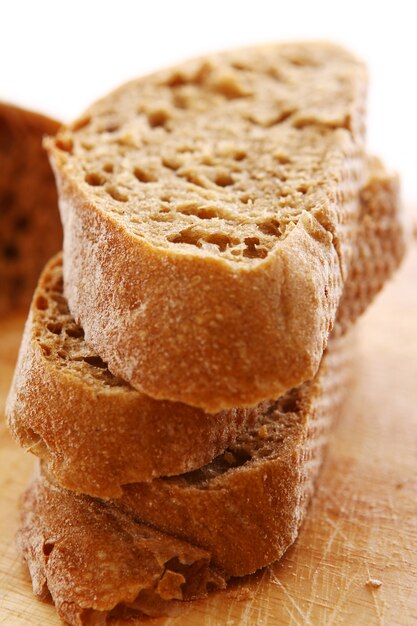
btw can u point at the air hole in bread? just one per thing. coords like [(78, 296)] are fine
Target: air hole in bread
[(204, 213), (54, 327), (65, 144), (302, 188), (288, 403), (224, 180), (108, 167), (193, 177), (245, 199), (171, 163), (94, 179), (116, 194), (270, 227), (75, 331), (10, 252), (239, 155), (252, 251), (220, 240), (45, 349), (95, 361), (41, 303), (186, 236), (47, 548), (144, 176), (159, 117), (111, 128)]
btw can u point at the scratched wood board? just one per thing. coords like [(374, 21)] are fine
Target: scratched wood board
[(362, 524)]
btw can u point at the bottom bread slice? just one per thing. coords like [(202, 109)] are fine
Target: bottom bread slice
[(237, 514)]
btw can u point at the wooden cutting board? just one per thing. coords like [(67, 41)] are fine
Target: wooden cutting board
[(362, 524)]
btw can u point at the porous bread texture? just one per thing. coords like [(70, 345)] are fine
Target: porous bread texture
[(210, 212), (94, 430), (99, 563), (30, 226), (67, 408), (380, 245)]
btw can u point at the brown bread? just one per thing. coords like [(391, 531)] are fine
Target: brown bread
[(30, 226), (246, 507), (66, 407), (96, 561), (210, 212)]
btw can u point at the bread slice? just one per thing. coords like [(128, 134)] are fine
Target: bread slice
[(243, 510), (210, 212), (93, 429), (66, 407), (95, 561), (380, 245), (30, 227)]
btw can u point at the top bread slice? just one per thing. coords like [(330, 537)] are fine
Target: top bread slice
[(210, 212), (30, 226)]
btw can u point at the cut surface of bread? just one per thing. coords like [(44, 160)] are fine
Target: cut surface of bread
[(210, 212), (246, 506), (97, 562), (93, 429), (30, 226), (66, 407)]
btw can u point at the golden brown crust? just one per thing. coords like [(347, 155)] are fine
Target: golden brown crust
[(247, 505), (97, 561), (81, 438), (175, 319), (30, 227)]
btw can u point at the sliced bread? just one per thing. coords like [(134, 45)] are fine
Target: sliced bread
[(210, 212), (246, 507), (97, 562), (66, 407), (93, 429), (30, 226)]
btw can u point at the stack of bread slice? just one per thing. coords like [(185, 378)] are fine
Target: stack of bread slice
[(185, 356)]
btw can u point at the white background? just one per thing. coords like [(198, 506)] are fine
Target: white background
[(58, 56)]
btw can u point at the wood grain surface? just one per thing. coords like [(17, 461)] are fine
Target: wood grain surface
[(362, 524)]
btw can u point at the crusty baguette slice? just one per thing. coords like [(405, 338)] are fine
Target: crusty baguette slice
[(244, 509), (97, 561), (66, 407), (93, 429), (210, 212), (246, 506), (30, 226)]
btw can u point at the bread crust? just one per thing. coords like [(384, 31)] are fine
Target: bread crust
[(78, 426), (198, 328), (97, 561), (95, 431), (30, 227), (248, 514)]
